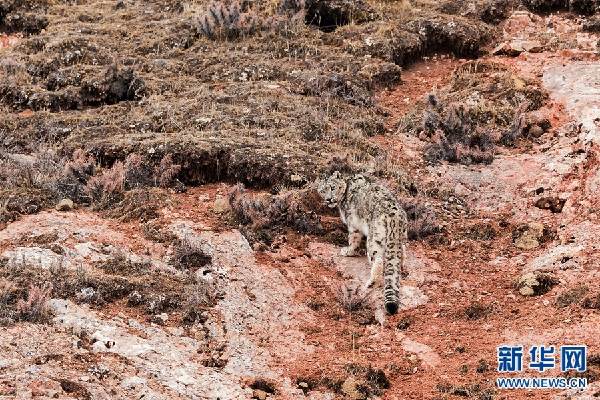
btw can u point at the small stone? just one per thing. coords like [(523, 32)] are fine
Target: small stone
[(259, 394), (532, 46), (535, 283), (529, 236), (86, 294), (303, 385), (160, 319), (554, 204), (221, 205), (132, 382), (5, 363), (296, 178), (350, 389), (65, 205), (536, 131)]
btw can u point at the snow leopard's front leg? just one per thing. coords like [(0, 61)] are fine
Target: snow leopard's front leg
[(354, 240)]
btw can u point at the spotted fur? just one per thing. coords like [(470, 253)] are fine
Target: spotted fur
[(372, 211)]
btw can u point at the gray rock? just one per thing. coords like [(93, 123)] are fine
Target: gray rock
[(65, 205), (133, 382), (221, 205)]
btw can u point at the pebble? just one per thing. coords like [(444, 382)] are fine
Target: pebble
[(65, 205)]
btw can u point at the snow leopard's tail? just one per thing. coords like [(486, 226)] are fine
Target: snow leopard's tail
[(395, 242)]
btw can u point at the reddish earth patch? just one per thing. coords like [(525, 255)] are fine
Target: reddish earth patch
[(418, 81), (9, 40)]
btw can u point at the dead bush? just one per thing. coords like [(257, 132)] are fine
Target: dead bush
[(592, 302), (199, 297), (166, 172), (72, 181), (571, 296), (189, 254), (112, 86), (327, 15), (35, 308), (266, 214), (8, 297), (352, 299), (586, 7), (138, 204), (373, 381), (422, 221), (477, 310), (230, 20), (107, 187), (456, 137)]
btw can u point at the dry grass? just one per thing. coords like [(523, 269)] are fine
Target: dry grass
[(352, 299), (265, 214), (190, 254), (35, 308)]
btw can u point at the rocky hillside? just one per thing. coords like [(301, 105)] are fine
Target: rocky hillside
[(161, 238)]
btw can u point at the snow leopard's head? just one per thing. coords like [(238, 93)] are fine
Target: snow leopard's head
[(332, 189)]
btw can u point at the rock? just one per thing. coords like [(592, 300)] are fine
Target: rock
[(259, 394), (381, 73), (5, 363), (350, 389), (423, 352), (529, 236), (411, 297), (592, 24), (132, 382), (518, 46), (65, 205), (536, 131), (34, 257), (535, 283), (553, 204), (532, 46), (221, 205), (160, 319), (45, 388), (561, 257), (506, 49), (86, 294)]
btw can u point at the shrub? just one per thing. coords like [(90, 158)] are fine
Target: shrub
[(265, 214), (108, 187), (188, 254), (422, 221), (166, 172), (35, 308), (352, 298), (455, 136)]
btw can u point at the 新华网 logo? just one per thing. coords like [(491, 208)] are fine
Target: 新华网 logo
[(540, 358)]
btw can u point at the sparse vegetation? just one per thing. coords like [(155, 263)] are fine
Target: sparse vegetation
[(353, 299), (189, 254), (571, 296), (264, 215), (35, 308), (477, 310)]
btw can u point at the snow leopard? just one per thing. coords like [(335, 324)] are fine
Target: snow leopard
[(370, 210)]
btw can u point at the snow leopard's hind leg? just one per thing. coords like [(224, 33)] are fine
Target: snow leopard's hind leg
[(375, 253)]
